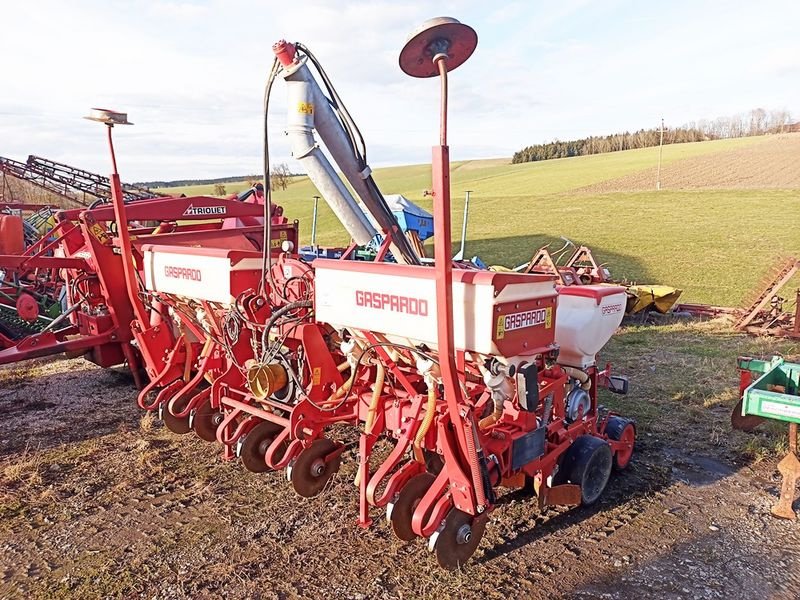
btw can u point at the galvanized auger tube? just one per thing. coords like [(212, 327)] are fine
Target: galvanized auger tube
[(310, 109)]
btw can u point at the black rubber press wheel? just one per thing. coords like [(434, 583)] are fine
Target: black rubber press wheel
[(587, 463)]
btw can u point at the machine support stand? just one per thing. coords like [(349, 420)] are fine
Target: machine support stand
[(789, 468)]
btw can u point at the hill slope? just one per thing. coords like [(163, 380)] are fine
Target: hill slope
[(770, 165), (714, 243)]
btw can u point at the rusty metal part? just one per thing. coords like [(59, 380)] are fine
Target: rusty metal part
[(440, 35), (459, 538), (72, 183), (313, 468), (789, 468), (565, 494), (766, 312), (255, 445), (205, 422), (401, 511), (744, 422), (179, 425)]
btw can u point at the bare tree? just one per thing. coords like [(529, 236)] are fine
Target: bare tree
[(279, 176)]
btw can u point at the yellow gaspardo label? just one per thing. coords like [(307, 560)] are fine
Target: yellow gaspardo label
[(306, 108), (316, 375), (524, 319)]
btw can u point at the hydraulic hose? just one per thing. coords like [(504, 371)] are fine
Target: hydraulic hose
[(286, 308), (377, 391), (266, 247), (380, 377), (580, 375), (430, 413)]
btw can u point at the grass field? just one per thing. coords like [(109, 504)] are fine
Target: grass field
[(713, 244)]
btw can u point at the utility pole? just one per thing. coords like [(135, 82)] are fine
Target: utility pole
[(460, 255), (314, 222), (660, 152)]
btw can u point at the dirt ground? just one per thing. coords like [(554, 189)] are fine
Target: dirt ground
[(100, 501), (771, 164)]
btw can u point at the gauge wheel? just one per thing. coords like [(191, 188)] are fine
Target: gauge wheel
[(622, 430)]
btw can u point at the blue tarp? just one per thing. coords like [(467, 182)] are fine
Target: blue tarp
[(410, 216)]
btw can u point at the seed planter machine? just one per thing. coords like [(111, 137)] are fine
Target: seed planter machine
[(479, 380)]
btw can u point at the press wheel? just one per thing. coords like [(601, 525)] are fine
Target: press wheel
[(402, 510), (255, 446), (205, 422), (310, 473), (459, 539), (624, 431)]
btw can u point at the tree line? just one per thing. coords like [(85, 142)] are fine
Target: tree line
[(756, 122), (280, 177)]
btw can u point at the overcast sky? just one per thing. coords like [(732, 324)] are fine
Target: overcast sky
[(191, 74)]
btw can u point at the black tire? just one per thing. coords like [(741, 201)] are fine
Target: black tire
[(616, 429), (587, 463)]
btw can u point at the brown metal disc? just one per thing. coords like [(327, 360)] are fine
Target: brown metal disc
[(744, 422), (459, 539), (255, 445), (310, 473), (403, 509), (205, 422), (179, 425), (416, 57)]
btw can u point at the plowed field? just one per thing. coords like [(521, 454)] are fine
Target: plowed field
[(770, 164)]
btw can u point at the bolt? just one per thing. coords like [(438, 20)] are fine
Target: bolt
[(464, 534)]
